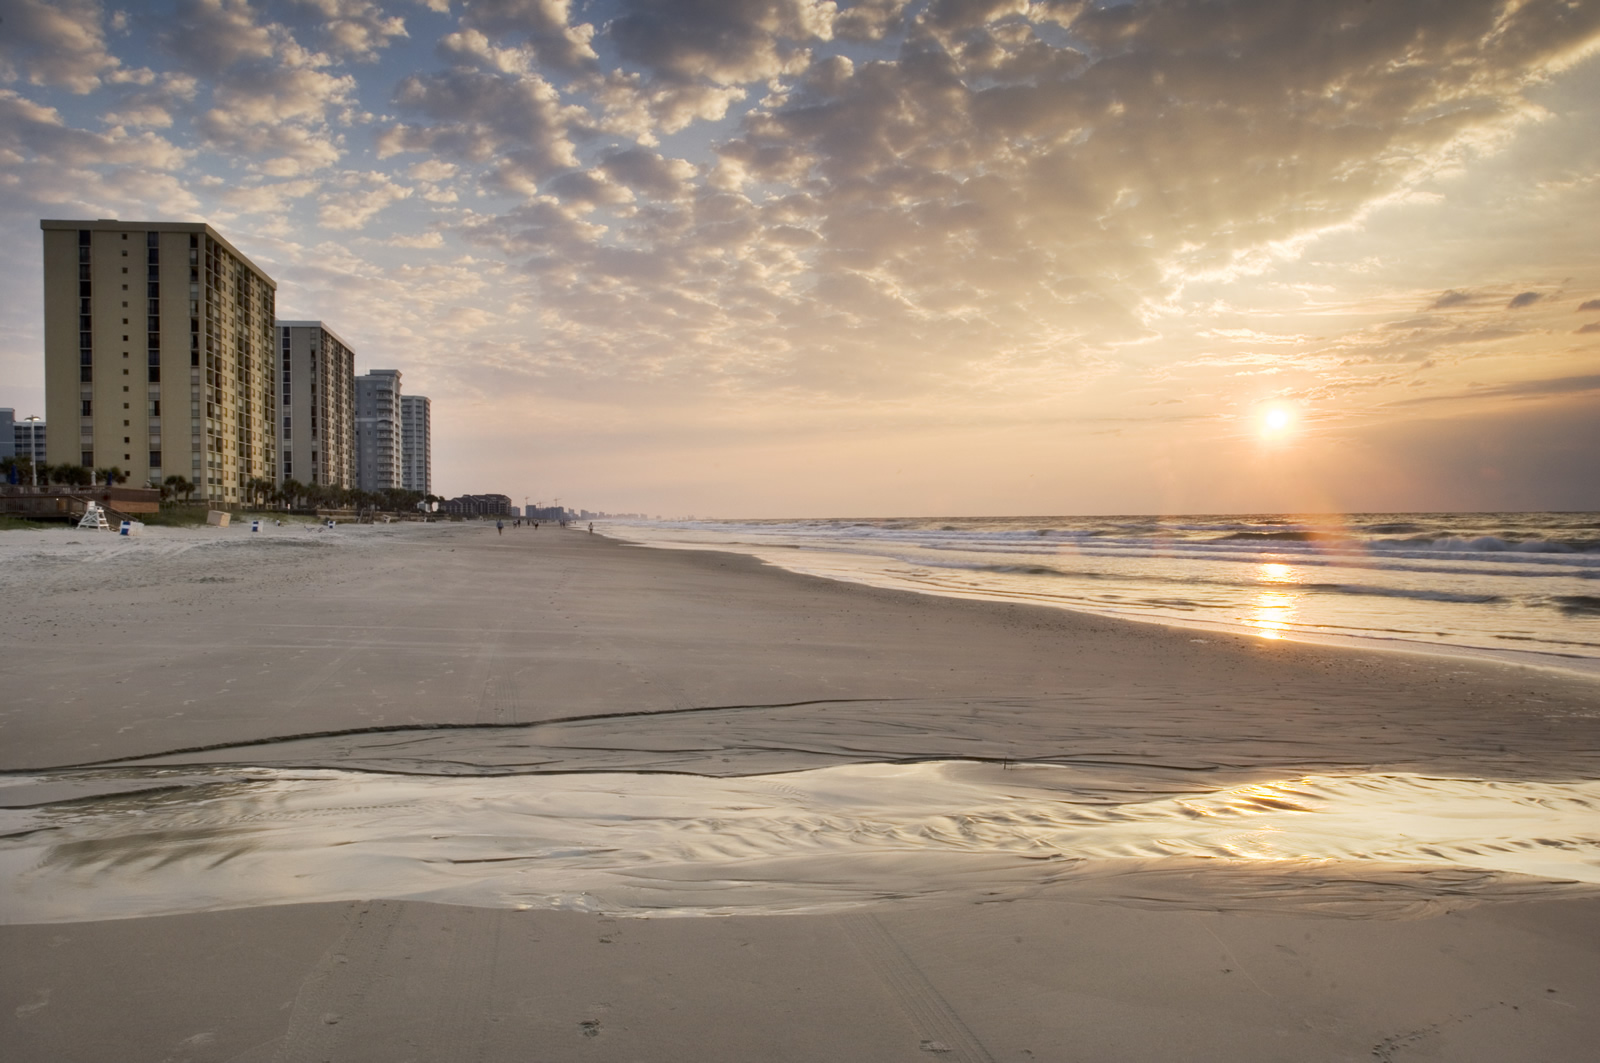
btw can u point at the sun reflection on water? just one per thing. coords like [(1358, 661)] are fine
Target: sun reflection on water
[(1274, 611)]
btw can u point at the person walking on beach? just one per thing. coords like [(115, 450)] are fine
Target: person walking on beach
[(500, 527)]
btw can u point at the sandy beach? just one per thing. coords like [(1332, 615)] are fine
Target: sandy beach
[(265, 678)]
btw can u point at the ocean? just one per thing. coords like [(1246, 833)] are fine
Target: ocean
[(1518, 586)]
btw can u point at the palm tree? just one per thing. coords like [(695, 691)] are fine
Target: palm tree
[(258, 489), (71, 475), (178, 485)]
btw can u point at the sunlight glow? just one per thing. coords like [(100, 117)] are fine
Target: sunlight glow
[(1276, 422), (1273, 572), (1274, 610)]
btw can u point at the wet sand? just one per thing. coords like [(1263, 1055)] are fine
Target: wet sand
[(448, 650)]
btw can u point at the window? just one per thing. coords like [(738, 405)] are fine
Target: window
[(155, 459), (88, 408), (88, 459)]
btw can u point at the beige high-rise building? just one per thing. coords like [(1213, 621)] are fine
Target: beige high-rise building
[(317, 405), (159, 354)]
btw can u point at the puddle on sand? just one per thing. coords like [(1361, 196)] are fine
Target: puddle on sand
[(804, 841)]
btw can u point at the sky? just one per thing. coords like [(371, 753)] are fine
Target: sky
[(767, 258)]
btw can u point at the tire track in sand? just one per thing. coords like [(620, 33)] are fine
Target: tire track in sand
[(338, 986), (936, 1022), (464, 993)]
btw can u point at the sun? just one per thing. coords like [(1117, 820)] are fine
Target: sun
[(1276, 422)]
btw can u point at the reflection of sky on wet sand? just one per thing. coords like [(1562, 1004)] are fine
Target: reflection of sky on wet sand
[(802, 841)]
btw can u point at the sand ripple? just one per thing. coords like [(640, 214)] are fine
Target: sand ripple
[(811, 840)]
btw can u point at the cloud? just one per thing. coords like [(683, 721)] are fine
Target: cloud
[(56, 42), (516, 120), (1589, 304), (1517, 389), (545, 26), (267, 197), (649, 173), (644, 109), (354, 199), (155, 104), (730, 42), (272, 99), (356, 28), (1524, 299), (50, 168), (210, 36), (32, 131), (1449, 299), (1589, 329), (419, 240)]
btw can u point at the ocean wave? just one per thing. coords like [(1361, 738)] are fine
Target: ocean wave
[(1577, 604), (1415, 594), (1400, 528), (1493, 544), (1273, 536)]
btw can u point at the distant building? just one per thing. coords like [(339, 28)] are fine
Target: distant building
[(317, 405), (159, 354), (477, 506), (416, 444), (8, 432), (378, 431), (28, 437)]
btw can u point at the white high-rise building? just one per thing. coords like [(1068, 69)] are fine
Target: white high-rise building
[(29, 434), (317, 403), (159, 354), (416, 444), (378, 431)]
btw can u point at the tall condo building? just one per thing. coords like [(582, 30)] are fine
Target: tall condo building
[(29, 434), (416, 443), (317, 405), (159, 354), (378, 439)]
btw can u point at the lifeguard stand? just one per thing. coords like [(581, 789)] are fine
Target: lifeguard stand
[(94, 518)]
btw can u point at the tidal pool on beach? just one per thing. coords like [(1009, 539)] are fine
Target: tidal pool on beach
[(179, 840)]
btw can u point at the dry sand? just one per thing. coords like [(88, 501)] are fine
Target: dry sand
[(216, 650)]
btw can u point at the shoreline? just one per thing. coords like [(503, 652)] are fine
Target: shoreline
[(1575, 664)]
